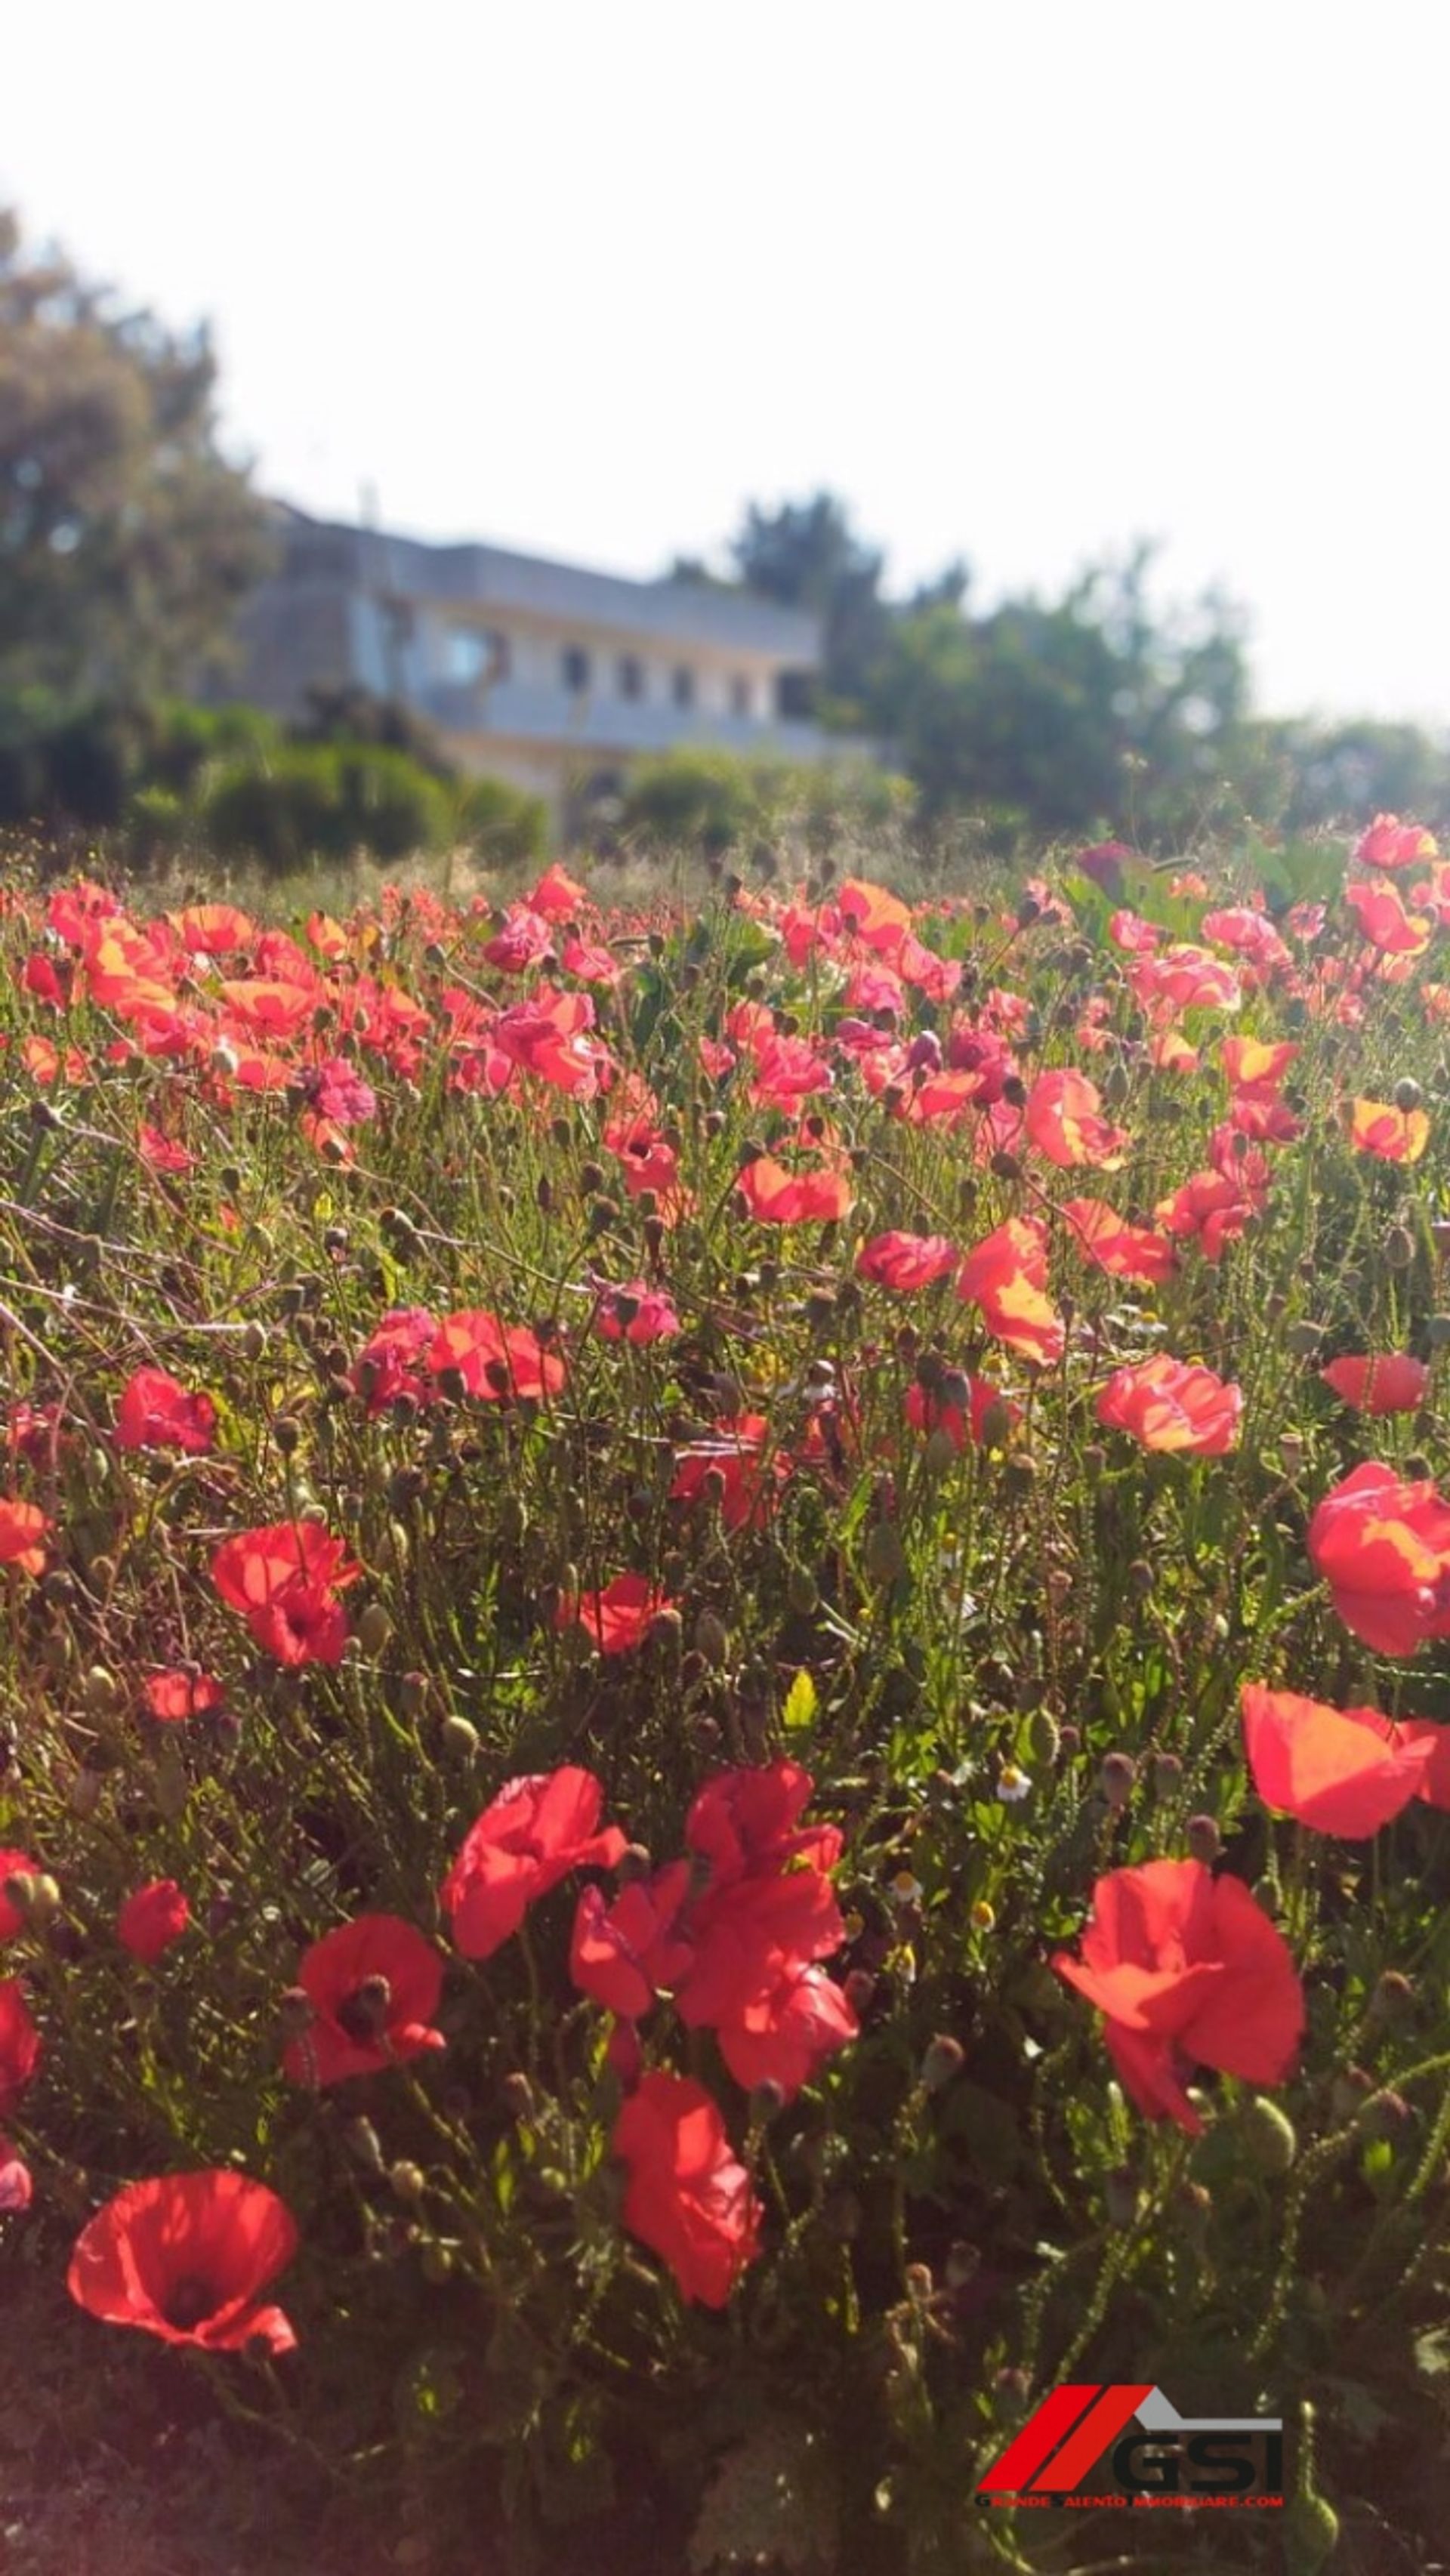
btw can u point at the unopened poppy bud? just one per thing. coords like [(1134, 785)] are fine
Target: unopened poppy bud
[(1303, 1339), (920, 2285), (374, 1628), (1020, 1474), (1140, 1578), (1011, 2389), (1120, 2196), (860, 1991), (1407, 1094), (712, 1487), (436, 2264), (841, 2215), (458, 1737), (1005, 1166), (406, 1486), (885, 1556), (362, 2143), (406, 2181), (1386, 2115), (1270, 2142), (996, 1424), (944, 2058), (1393, 1998), (1204, 1839), (254, 1340), (802, 1592), (100, 1690), (1311, 2533), (939, 1455), (1043, 1736), (59, 1588), (518, 2095), (296, 2013), (287, 1433), (84, 1793), (666, 1628), (1398, 1248), (634, 1864), (453, 1384), (711, 1639), (1350, 2089), (413, 1694), (1167, 1773), (983, 1916), (1116, 1776)]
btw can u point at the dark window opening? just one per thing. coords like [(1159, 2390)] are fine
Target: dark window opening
[(683, 685), (795, 695), (631, 676), (575, 668), (742, 697)]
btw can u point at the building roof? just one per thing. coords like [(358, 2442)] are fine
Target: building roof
[(493, 577)]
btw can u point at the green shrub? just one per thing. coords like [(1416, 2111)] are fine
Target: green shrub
[(712, 801), (324, 801), (503, 825)]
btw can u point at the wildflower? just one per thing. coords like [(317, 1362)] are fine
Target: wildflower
[(185, 2257), (14, 1864), (534, 1832), (734, 1453), (1064, 1121), (1013, 1785), (22, 1532), (687, 2198), (1189, 1971), (373, 1985), (15, 2182), (285, 1579), (617, 1619), (1006, 1275), (496, 1361), (1395, 1135), (1124, 1251), (634, 1313), (19, 2044), (155, 1412), (1166, 1404), (775, 1196), (623, 1955), (151, 1919), (1383, 1547), (175, 1696), (1390, 1382), (1343, 1771), (906, 1261)]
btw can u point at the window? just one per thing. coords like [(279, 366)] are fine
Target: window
[(630, 675), (682, 685), (742, 696), (794, 694), (574, 665), (473, 654)]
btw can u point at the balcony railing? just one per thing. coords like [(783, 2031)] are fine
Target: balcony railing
[(594, 721)]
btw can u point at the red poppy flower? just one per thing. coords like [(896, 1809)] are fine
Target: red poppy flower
[(1064, 1121), (1383, 1547), (500, 1362), (623, 1955), (556, 897), (391, 1358), (735, 1455), (1383, 920), (906, 1261), (14, 1864), (1215, 1206), (634, 1313), (774, 1196), (1124, 1251), (285, 1579), (617, 1619), (373, 1985), (688, 2198), (1006, 1275), (213, 929), (1395, 1135), (1166, 1404), (174, 1697), (22, 1533), (750, 1819), (15, 2183), (1389, 843), (162, 1152), (784, 2036), (534, 1832), (1190, 1972), (1387, 1382), (19, 2044), (185, 2256), (1331, 1768), (1256, 1064), (151, 1919), (966, 1424), (156, 1413)]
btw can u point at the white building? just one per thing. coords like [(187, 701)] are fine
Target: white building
[(540, 673)]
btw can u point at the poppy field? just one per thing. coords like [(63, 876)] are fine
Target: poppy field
[(725, 1735)]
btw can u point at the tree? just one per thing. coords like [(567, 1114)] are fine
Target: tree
[(126, 539), (807, 555)]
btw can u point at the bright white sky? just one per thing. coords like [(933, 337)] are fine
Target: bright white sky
[(1019, 279)]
